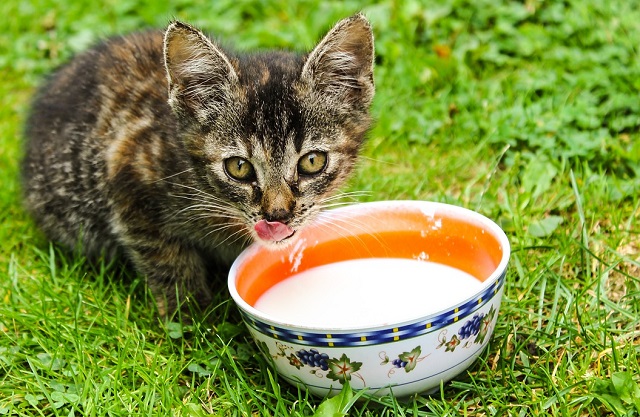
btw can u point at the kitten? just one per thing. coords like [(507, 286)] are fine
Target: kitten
[(170, 150)]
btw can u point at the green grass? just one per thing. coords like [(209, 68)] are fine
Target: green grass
[(528, 112)]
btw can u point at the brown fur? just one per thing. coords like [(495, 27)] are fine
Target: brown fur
[(128, 145)]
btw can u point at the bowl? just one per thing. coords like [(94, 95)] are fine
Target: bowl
[(392, 296)]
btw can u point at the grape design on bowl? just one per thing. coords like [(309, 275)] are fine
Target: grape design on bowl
[(399, 363), (313, 358), (471, 327), (338, 369), (478, 326)]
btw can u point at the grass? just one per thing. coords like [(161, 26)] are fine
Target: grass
[(525, 111)]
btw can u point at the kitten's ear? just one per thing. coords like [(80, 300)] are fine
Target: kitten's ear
[(341, 66), (201, 77)]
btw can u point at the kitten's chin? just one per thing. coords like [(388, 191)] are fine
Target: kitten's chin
[(277, 244)]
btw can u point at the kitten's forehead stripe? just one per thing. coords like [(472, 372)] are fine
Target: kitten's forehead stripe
[(273, 111)]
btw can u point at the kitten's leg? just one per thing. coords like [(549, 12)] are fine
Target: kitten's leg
[(174, 272)]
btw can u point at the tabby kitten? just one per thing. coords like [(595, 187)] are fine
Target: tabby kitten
[(170, 150)]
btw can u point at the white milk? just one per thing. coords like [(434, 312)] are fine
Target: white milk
[(366, 292)]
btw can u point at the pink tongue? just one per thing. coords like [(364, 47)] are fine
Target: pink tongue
[(272, 231)]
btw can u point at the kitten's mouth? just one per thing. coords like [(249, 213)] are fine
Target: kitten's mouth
[(273, 232)]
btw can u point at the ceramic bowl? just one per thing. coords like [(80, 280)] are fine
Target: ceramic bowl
[(410, 355)]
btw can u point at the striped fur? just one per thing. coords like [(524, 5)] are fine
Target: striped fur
[(127, 146)]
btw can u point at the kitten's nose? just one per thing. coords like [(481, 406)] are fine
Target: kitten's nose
[(278, 215), (278, 204)]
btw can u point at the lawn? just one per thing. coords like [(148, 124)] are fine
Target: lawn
[(526, 111)]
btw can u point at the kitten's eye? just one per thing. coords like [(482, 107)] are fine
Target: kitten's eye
[(312, 163), (239, 169)]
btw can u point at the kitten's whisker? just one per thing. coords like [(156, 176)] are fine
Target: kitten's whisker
[(344, 233), (207, 213), (199, 191), (243, 235), (173, 175), (203, 201), (199, 212), (210, 210), (213, 205), (378, 161), (204, 216), (361, 227), (221, 227), (351, 195), (207, 202), (240, 232), (336, 204), (196, 213), (340, 231)]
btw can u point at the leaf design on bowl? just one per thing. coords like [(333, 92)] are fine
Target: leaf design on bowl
[(342, 369), (405, 360), (449, 345), (295, 361), (410, 359)]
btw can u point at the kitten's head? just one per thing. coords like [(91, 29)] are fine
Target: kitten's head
[(274, 134)]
